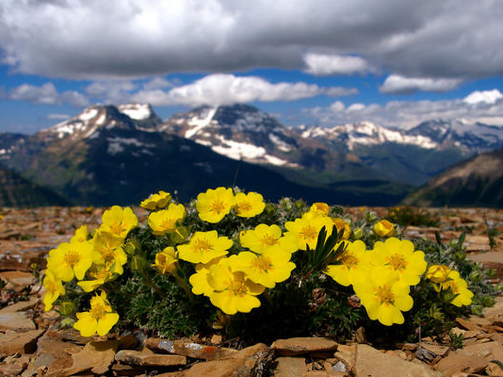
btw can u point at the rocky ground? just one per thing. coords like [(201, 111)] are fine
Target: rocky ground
[(30, 344)]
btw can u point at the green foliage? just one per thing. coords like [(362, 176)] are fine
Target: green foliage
[(456, 340), (406, 216)]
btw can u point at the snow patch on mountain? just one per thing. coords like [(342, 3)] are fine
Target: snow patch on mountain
[(199, 123), (137, 111), (117, 145), (365, 133), (245, 151)]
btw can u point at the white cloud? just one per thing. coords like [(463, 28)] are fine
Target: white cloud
[(112, 91), (158, 83), (396, 84), (325, 64), (221, 89), (97, 39), (47, 95), (406, 114), (487, 96)]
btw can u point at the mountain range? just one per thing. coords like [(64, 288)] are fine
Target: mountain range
[(120, 154)]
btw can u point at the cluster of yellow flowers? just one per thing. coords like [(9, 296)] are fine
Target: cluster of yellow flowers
[(91, 262), (233, 272)]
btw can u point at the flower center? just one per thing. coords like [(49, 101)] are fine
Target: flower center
[(349, 260), (50, 286), (202, 245), (268, 240), (237, 286), (116, 228), (217, 206), (244, 207), (97, 311), (262, 263), (398, 262), (168, 224), (108, 254), (72, 258), (385, 294), (308, 232)]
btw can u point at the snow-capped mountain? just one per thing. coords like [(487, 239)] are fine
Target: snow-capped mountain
[(240, 132), (89, 121), (364, 133), (469, 137)]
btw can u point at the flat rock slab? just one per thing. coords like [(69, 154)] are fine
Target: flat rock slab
[(19, 342), (16, 321), (302, 346), (149, 358), (493, 259), (189, 349), (290, 367), (370, 362), (20, 306)]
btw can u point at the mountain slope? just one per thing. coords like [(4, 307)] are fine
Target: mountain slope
[(16, 191), (103, 157), (477, 181)]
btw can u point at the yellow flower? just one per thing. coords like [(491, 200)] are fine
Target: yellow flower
[(351, 262), (271, 267), (232, 291), (165, 221), (265, 236), (399, 255), (54, 288), (159, 200), (71, 260), (320, 208), (384, 296), (340, 224), (306, 230), (119, 221), (213, 205), (1, 217), (109, 252), (99, 319), (459, 287), (203, 247), (384, 228), (249, 205), (99, 274), (81, 234), (438, 273), (199, 280), (166, 260)]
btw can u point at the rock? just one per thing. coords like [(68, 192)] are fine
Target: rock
[(490, 260), (301, 346), (189, 349), (346, 354), (20, 306), (458, 362), (148, 358), (216, 339), (52, 355), (477, 243), (495, 314), (19, 342), (436, 349), (127, 370), (290, 367), (16, 321), (370, 362)]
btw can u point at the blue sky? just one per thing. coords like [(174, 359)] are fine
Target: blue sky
[(327, 62)]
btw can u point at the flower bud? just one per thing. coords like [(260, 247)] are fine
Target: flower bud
[(384, 228)]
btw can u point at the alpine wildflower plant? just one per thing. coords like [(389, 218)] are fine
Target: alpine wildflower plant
[(230, 261)]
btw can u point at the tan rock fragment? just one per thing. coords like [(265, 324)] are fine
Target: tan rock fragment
[(459, 362), (19, 342), (189, 349), (148, 358), (16, 321), (19, 306), (373, 363), (301, 346), (290, 367)]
